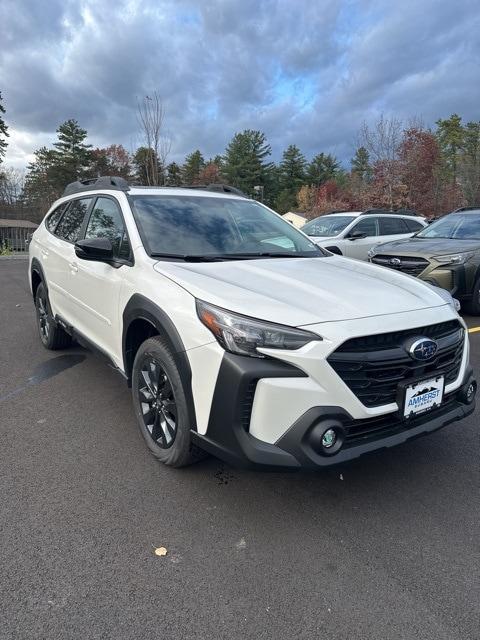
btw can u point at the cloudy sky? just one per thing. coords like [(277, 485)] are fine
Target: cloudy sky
[(303, 71)]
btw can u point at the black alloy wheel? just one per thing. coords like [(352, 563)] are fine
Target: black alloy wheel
[(52, 335), (43, 316), (157, 401)]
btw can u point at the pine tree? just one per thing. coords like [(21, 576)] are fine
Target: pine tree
[(41, 181), (3, 131), (245, 164), (72, 156), (194, 163), (361, 164), (323, 167), (291, 175), (469, 164), (174, 175), (450, 135)]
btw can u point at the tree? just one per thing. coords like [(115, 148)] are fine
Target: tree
[(469, 164), (112, 161), (156, 144), (191, 170), (382, 141), (361, 165), (291, 176), (328, 197), (210, 174), (3, 131), (11, 186), (72, 157), (245, 164), (420, 157), (174, 175), (41, 181), (146, 164), (450, 135), (323, 167), (306, 198)]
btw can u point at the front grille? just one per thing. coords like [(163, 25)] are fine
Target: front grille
[(373, 366), (412, 266), (361, 431)]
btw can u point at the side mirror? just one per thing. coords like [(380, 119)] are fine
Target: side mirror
[(356, 235), (98, 249)]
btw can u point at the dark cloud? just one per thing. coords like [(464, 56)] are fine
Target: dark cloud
[(304, 72)]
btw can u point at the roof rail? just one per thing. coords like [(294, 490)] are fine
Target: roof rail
[(219, 188), (373, 211), (398, 212), (466, 209), (114, 183)]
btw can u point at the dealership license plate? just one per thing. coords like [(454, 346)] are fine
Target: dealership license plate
[(423, 396)]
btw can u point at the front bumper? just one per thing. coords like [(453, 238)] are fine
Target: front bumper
[(228, 436), (454, 277)]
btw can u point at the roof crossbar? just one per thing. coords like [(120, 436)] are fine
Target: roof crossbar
[(114, 183)]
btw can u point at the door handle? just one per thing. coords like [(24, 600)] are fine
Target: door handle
[(73, 266)]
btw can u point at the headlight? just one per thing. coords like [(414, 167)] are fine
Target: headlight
[(446, 295), (243, 335), (454, 258)]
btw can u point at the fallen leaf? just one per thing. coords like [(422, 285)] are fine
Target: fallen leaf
[(160, 551)]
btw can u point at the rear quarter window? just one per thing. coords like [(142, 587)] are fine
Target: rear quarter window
[(53, 218), (70, 225), (392, 226), (413, 225)]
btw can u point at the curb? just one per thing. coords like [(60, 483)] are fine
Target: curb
[(14, 257)]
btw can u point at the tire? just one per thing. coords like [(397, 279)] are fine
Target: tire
[(161, 406), (473, 305), (52, 336)]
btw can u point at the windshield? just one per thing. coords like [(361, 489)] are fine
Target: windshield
[(454, 226), (202, 227), (327, 225)]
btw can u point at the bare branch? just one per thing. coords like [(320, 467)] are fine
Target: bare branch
[(150, 117)]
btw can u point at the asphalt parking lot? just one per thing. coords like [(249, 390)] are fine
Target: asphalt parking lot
[(387, 547)]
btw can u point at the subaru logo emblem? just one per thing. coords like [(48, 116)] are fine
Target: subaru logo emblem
[(395, 262), (422, 349)]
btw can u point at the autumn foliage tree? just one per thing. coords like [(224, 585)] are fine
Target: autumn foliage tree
[(420, 159), (112, 161)]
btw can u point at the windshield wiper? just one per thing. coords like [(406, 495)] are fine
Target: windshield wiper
[(266, 254), (187, 258), (231, 256)]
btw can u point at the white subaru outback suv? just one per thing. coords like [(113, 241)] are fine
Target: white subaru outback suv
[(238, 335)]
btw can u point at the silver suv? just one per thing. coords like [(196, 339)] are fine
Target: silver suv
[(354, 233)]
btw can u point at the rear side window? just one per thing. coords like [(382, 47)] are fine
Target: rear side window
[(392, 226), (413, 225), (106, 222), (71, 223), (54, 217)]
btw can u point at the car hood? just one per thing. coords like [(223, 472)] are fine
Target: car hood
[(300, 291), (427, 247), (320, 240)]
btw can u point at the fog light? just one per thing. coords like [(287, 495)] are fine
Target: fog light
[(470, 392), (329, 438)]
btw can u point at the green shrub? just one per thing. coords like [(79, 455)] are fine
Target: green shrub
[(5, 249)]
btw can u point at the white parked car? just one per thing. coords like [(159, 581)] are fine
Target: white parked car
[(238, 335), (353, 233)]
